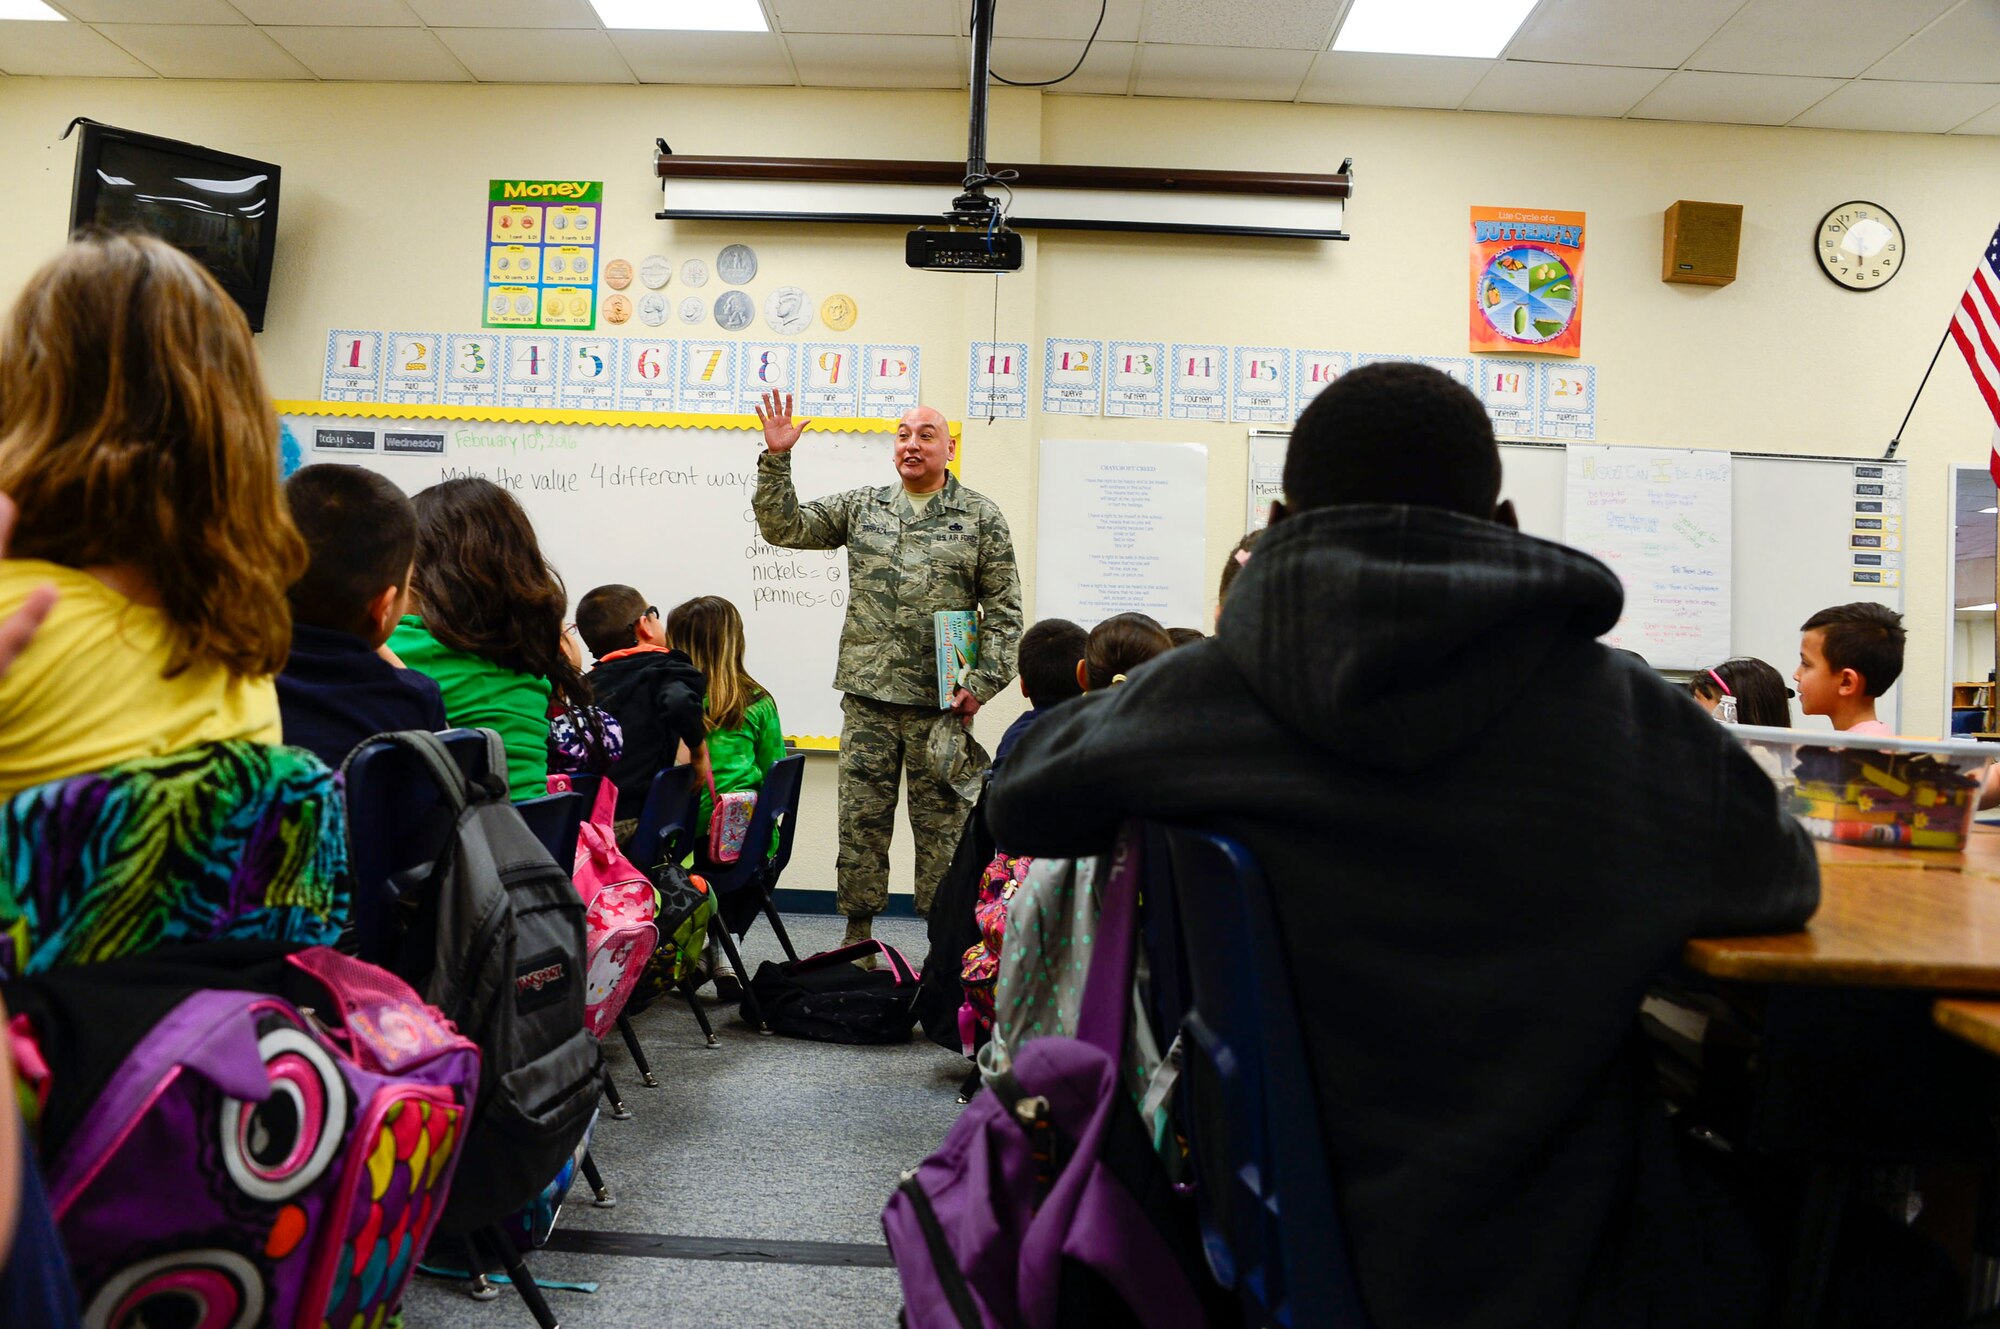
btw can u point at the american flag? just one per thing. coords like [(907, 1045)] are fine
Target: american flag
[(1976, 329)]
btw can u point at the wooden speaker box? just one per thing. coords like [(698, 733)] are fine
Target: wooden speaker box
[(1701, 243)]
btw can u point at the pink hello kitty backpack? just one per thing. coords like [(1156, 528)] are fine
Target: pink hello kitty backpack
[(621, 913), (272, 1155)]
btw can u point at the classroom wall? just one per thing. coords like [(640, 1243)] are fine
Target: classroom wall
[(384, 198)]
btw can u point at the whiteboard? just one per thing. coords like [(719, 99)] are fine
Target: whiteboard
[(664, 510), (1791, 527)]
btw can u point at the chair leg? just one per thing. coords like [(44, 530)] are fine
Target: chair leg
[(631, 1037), (750, 1002), (478, 1286), (700, 1015), (619, 1112), (1817, 1235), (524, 1281), (778, 926), (602, 1197)]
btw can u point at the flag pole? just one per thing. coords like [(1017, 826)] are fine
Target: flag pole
[(1897, 441)]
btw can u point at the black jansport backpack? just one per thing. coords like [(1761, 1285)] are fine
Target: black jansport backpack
[(826, 998), (496, 943)]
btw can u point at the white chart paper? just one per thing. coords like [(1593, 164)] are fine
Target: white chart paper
[(1120, 528)]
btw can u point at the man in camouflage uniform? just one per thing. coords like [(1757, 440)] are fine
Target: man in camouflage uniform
[(913, 548)]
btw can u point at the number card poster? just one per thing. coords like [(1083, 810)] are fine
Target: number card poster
[(541, 253), (1527, 281)]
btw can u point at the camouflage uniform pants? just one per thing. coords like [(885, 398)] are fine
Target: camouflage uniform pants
[(879, 741)]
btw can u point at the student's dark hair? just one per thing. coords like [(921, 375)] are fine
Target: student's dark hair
[(1394, 432), (361, 532), (483, 587), (1239, 558), (1865, 637), (1762, 695), (1048, 654), (606, 617), (1185, 636), (1121, 644)]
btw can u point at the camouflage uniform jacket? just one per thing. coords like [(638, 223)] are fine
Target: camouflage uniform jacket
[(901, 568)]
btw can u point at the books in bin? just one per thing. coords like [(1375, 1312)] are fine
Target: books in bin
[(957, 650)]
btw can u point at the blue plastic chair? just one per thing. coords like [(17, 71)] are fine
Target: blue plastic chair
[(556, 820), (1270, 1218), (666, 820), (759, 865)]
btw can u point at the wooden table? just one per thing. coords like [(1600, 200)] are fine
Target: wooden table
[(1888, 918), (1977, 1022)]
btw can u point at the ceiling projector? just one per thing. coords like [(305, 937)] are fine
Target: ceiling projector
[(985, 249)]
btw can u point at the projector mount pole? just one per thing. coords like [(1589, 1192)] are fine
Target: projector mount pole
[(973, 207)]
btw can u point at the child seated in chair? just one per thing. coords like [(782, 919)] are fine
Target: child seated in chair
[(338, 689), (140, 445), (653, 692)]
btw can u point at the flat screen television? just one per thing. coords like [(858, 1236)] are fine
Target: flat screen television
[(220, 208)]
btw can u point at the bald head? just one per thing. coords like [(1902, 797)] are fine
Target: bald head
[(924, 448)]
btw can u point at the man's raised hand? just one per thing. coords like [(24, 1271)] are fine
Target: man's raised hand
[(781, 432)]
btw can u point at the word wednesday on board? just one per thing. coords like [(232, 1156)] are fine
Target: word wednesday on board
[(647, 505)]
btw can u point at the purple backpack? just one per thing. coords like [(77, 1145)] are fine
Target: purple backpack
[(1046, 1204), (251, 1161)]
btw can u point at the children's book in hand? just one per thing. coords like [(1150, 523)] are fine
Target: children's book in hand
[(957, 650)]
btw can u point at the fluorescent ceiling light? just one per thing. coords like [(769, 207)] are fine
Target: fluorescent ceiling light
[(1979, 609), (1480, 28), (1989, 511), (28, 9), (678, 15)]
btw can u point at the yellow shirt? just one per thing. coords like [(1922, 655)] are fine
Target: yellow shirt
[(87, 692)]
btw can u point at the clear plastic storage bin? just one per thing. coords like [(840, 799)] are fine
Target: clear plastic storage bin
[(1874, 788)]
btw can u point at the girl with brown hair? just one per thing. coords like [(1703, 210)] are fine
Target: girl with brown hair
[(1117, 646), (139, 442), (745, 736), (486, 622)]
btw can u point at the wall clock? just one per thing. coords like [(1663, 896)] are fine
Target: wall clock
[(1860, 246)]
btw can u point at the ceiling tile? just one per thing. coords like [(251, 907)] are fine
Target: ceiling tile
[(908, 18), (1232, 72), (1552, 89), (1961, 47), (205, 52), (317, 13), (1297, 25), (844, 60), (1590, 32), (1826, 38), (1912, 108), (1985, 123), (1736, 99), (556, 55), (1364, 78), (506, 13), (63, 50), (743, 58), (152, 11), (367, 55), (1065, 19), (1108, 68)]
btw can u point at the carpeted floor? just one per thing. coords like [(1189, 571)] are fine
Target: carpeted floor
[(749, 1185)]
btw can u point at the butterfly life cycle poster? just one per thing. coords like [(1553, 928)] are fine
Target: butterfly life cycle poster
[(1527, 281)]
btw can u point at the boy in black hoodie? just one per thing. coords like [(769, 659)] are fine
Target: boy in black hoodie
[(1469, 976), (654, 693)]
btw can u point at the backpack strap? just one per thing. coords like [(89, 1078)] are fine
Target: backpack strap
[(1107, 991), (444, 768)]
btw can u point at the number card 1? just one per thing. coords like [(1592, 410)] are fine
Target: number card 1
[(647, 371), (1072, 376), (589, 377), (1260, 385), (768, 366), (411, 373), (472, 369), (998, 373), (1311, 372), (889, 378), (832, 381), (353, 366), (1568, 406), (1198, 388), (708, 377), (528, 370), (1135, 384), (1508, 389)]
